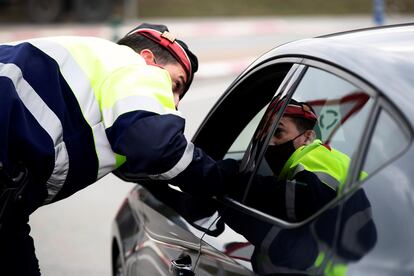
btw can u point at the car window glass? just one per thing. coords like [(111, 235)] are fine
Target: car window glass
[(342, 108), (240, 145), (306, 164), (237, 108), (264, 88), (388, 141)]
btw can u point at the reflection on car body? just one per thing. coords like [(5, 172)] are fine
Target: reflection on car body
[(306, 217)]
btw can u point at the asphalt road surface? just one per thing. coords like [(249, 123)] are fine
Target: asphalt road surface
[(72, 237)]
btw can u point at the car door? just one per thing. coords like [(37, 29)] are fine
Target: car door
[(256, 240), (160, 228)]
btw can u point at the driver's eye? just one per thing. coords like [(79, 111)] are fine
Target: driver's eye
[(278, 132)]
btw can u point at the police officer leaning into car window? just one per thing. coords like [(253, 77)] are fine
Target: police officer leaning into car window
[(74, 109), (307, 174)]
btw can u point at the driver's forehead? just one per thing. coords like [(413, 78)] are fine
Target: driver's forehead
[(287, 123), (285, 130)]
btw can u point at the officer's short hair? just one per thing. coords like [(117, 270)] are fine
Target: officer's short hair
[(139, 43)]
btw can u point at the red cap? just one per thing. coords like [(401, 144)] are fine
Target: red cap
[(298, 109), (178, 49)]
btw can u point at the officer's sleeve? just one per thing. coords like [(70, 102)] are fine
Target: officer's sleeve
[(155, 147)]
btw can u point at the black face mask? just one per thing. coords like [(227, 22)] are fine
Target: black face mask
[(277, 155)]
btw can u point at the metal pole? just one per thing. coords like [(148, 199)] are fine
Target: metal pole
[(130, 9), (379, 12)]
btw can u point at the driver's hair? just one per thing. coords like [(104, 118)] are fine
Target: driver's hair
[(303, 124)]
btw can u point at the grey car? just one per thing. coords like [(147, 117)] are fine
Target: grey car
[(360, 84)]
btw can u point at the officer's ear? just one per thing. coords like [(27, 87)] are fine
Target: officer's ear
[(310, 136), (148, 56)]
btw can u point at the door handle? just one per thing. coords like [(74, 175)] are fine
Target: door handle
[(182, 266)]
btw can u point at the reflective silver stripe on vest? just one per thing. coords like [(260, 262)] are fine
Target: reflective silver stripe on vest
[(325, 178), (350, 231), (298, 169), (130, 104), (105, 154), (47, 120), (181, 165), (81, 88), (290, 198)]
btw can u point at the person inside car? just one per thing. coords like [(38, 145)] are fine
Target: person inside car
[(308, 172), (306, 175)]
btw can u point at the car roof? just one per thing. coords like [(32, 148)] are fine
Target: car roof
[(381, 56)]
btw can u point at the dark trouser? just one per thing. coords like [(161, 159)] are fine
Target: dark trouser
[(17, 252)]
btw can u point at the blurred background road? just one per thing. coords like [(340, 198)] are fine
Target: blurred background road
[(72, 237)]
